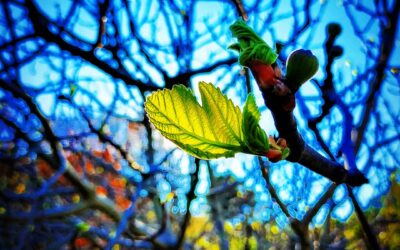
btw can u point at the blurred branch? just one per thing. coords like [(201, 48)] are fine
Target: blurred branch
[(40, 24), (106, 139), (215, 201), (57, 160), (15, 41), (184, 77), (298, 227), (388, 35), (190, 197), (298, 30), (331, 99), (369, 236), (51, 213), (125, 218), (314, 210), (271, 189)]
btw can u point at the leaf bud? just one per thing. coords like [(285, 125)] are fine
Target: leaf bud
[(301, 65), (334, 29)]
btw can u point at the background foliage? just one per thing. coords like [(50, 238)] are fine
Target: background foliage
[(82, 168)]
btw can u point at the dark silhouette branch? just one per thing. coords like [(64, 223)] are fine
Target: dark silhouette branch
[(369, 236), (271, 189), (300, 151), (190, 197), (314, 210), (388, 39), (41, 27)]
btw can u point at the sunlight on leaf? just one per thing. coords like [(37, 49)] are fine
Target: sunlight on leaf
[(207, 132), (216, 129), (255, 137)]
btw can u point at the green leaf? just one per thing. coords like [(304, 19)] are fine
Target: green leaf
[(216, 129), (285, 153), (224, 115), (209, 131), (251, 46), (254, 136), (234, 46)]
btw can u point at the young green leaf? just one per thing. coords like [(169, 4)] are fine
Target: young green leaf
[(216, 129), (251, 46), (254, 136), (224, 115), (207, 132)]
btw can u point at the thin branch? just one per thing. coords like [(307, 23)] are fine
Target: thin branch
[(57, 160), (314, 210), (40, 24), (51, 213), (386, 48), (271, 189), (240, 9), (102, 21), (369, 235), (190, 197)]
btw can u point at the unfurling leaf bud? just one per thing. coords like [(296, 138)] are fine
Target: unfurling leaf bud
[(278, 150), (334, 29), (301, 65), (235, 47), (250, 46)]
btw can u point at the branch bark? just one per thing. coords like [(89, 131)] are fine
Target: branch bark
[(301, 152)]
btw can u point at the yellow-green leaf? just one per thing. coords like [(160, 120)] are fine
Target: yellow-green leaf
[(217, 128), (224, 115), (209, 131), (254, 136)]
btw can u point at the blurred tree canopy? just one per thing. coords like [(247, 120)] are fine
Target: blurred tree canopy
[(81, 167)]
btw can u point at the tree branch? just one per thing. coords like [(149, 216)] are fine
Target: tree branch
[(300, 151), (388, 40), (40, 25), (369, 236), (240, 9), (190, 197)]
